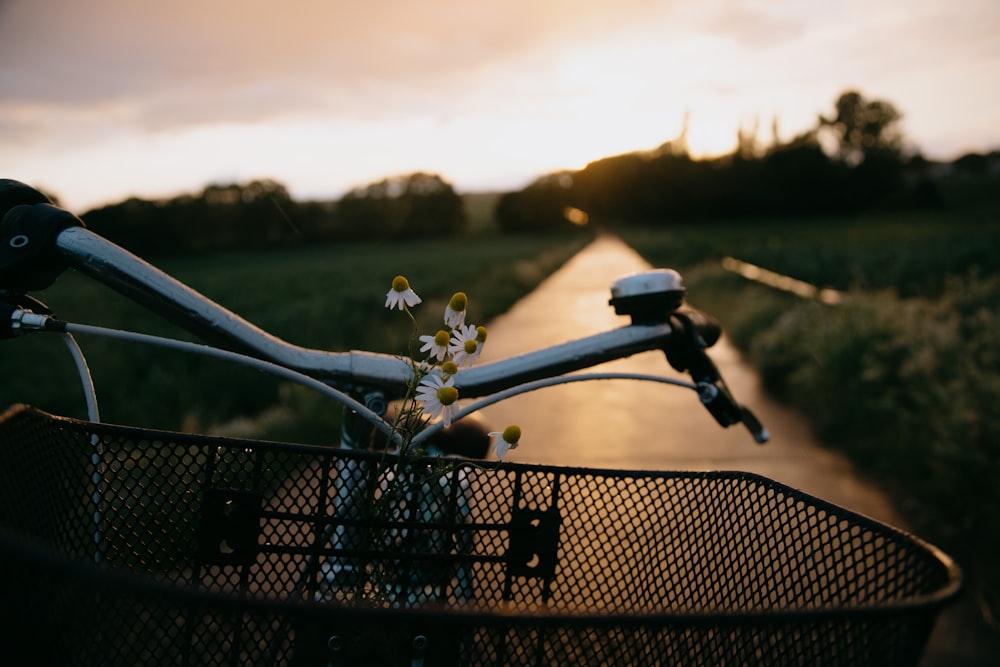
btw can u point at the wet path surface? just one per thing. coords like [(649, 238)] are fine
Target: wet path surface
[(647, 426)]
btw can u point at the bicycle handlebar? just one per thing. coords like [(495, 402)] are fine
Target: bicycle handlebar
[(40, 240), (191, 310)]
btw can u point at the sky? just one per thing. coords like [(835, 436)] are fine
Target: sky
[(105, 99)]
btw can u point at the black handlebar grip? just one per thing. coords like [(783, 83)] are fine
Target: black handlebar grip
[(28, 228), (15, 193)]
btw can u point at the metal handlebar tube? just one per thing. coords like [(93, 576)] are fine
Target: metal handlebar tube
[(561, 359), (147, 285), (143, 283)]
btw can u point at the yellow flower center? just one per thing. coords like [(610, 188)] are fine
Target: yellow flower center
[(458, 302), (481, 334), (447, 395), (441, 338), (449, 368), (400, 284), (471, 346), (512, 434)]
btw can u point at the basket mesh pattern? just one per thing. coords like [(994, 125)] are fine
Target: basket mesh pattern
[(125, 546)]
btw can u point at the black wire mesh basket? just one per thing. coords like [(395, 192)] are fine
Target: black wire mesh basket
[(123, 546)]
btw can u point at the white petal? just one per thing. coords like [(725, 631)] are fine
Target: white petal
[(501, 447), (411, 298), (447, 412), (454, 319)]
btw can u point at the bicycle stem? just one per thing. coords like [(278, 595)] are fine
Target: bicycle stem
[(140, 281)]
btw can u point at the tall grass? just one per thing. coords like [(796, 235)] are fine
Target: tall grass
[(903, 376), (329, 298), (909, 388)]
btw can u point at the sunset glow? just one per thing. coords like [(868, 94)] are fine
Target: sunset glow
[(103, 99)]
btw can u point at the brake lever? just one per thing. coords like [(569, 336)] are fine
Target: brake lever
[(693, 333), (721, 404)]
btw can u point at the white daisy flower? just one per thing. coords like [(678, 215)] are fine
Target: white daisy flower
[(438, 397), (448, 368), (506, 440), (480, 340), (401, 294), (454, 313), (437, 345), (464, 347)]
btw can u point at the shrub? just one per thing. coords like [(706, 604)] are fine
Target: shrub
[(909, 389)]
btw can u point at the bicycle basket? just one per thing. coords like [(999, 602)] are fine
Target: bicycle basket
[(123, 546)]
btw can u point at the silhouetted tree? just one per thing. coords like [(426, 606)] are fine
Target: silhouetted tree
[(430, 206), (973, 163), (864, 128), (257, 214), (417, 204), (800, 179), (541, 206), (747, 144), (870, 143), (614, 188)]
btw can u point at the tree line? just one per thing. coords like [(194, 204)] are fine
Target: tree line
[(262, 214), (853, 159)]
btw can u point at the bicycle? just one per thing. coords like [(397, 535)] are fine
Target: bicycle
[(124, 545)]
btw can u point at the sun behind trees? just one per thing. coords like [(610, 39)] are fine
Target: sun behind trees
[(863, 167)]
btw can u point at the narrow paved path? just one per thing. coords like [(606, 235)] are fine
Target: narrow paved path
[(639, 425)]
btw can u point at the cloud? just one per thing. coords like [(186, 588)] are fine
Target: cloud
[(752, 25), (92, 50), (81, 70)]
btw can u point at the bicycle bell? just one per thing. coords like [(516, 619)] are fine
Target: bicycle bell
[(649, 296)]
